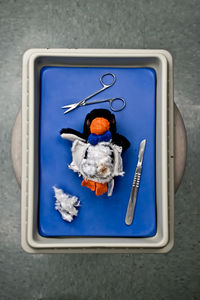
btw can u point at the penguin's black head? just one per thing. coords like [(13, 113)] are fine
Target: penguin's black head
[(99, 113)]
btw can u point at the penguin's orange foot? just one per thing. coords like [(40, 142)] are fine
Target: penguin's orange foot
[(89, 184), (101, 188)]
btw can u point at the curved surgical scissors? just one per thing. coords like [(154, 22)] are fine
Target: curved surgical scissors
[(105, 86)]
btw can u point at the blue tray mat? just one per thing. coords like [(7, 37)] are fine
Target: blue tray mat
[(98, 216)]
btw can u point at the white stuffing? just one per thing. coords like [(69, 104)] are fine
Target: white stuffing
[(101, 164), (98, 162), (66, 204)]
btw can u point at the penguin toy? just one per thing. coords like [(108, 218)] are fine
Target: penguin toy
[(96, 153)]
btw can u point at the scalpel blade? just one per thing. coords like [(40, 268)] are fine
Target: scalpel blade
[(141, 152)]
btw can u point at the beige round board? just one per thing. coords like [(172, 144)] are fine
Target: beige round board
[(180, 147)]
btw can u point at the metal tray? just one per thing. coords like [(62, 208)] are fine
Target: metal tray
[(161, 62)]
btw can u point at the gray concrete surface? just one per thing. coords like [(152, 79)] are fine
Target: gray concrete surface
[(172, 25)]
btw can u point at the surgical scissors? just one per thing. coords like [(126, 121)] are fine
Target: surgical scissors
[(105, 86)]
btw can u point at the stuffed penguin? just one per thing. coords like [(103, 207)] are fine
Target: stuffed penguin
[(96, 153)]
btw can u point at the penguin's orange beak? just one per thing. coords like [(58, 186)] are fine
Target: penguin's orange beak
[(99, 126)]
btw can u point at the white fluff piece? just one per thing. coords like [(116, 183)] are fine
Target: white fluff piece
[(66, 204)]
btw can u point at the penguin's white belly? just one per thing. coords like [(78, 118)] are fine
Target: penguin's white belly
[(100, 163)]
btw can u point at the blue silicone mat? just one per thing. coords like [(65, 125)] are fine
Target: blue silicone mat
[(98, 216)]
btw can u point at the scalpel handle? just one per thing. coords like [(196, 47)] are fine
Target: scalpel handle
[(133, 197)]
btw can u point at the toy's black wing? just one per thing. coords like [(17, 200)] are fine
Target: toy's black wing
[(71, 135), (121, 141)]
